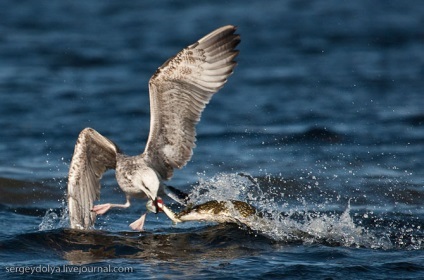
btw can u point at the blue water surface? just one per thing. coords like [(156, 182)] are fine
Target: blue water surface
[(321, 127)]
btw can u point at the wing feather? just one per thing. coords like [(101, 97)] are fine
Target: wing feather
[(93, 155), (179, 92)]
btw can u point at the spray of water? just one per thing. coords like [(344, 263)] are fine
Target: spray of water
[(309, 222), (284, 220), (54, 219)]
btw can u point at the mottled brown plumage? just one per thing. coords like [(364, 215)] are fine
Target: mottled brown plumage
[(220, 208), (179, 91), (231, 211)]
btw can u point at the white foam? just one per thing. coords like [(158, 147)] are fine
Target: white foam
[(295, 224), (51, 220)]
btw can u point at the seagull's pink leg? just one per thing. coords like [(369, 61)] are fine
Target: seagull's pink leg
[(103, 208), (139, 224)]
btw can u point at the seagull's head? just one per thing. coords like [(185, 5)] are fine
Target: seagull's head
[(155, 206)]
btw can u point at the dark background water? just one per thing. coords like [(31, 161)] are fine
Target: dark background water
[(325, 109)]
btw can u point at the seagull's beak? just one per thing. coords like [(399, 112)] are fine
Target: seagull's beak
[(159, 204), (155, 206), (150, 206)]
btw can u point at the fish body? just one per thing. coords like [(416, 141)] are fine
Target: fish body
[(231, 211)]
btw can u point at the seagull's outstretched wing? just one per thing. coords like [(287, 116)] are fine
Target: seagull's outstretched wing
[(93, 155), (180, 90)]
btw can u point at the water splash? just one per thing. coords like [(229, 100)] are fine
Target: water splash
[(55, 219), (223, 186), (309, 223), (288, 214)]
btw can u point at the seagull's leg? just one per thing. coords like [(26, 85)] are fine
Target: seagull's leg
[(103, 208), (139, 224)]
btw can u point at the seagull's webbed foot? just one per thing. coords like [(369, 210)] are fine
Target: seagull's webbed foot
[(101, 208), (139, 224)]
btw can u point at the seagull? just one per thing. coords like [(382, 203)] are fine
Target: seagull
[(179, 91)]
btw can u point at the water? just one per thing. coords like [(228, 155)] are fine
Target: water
[(324, 111)]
